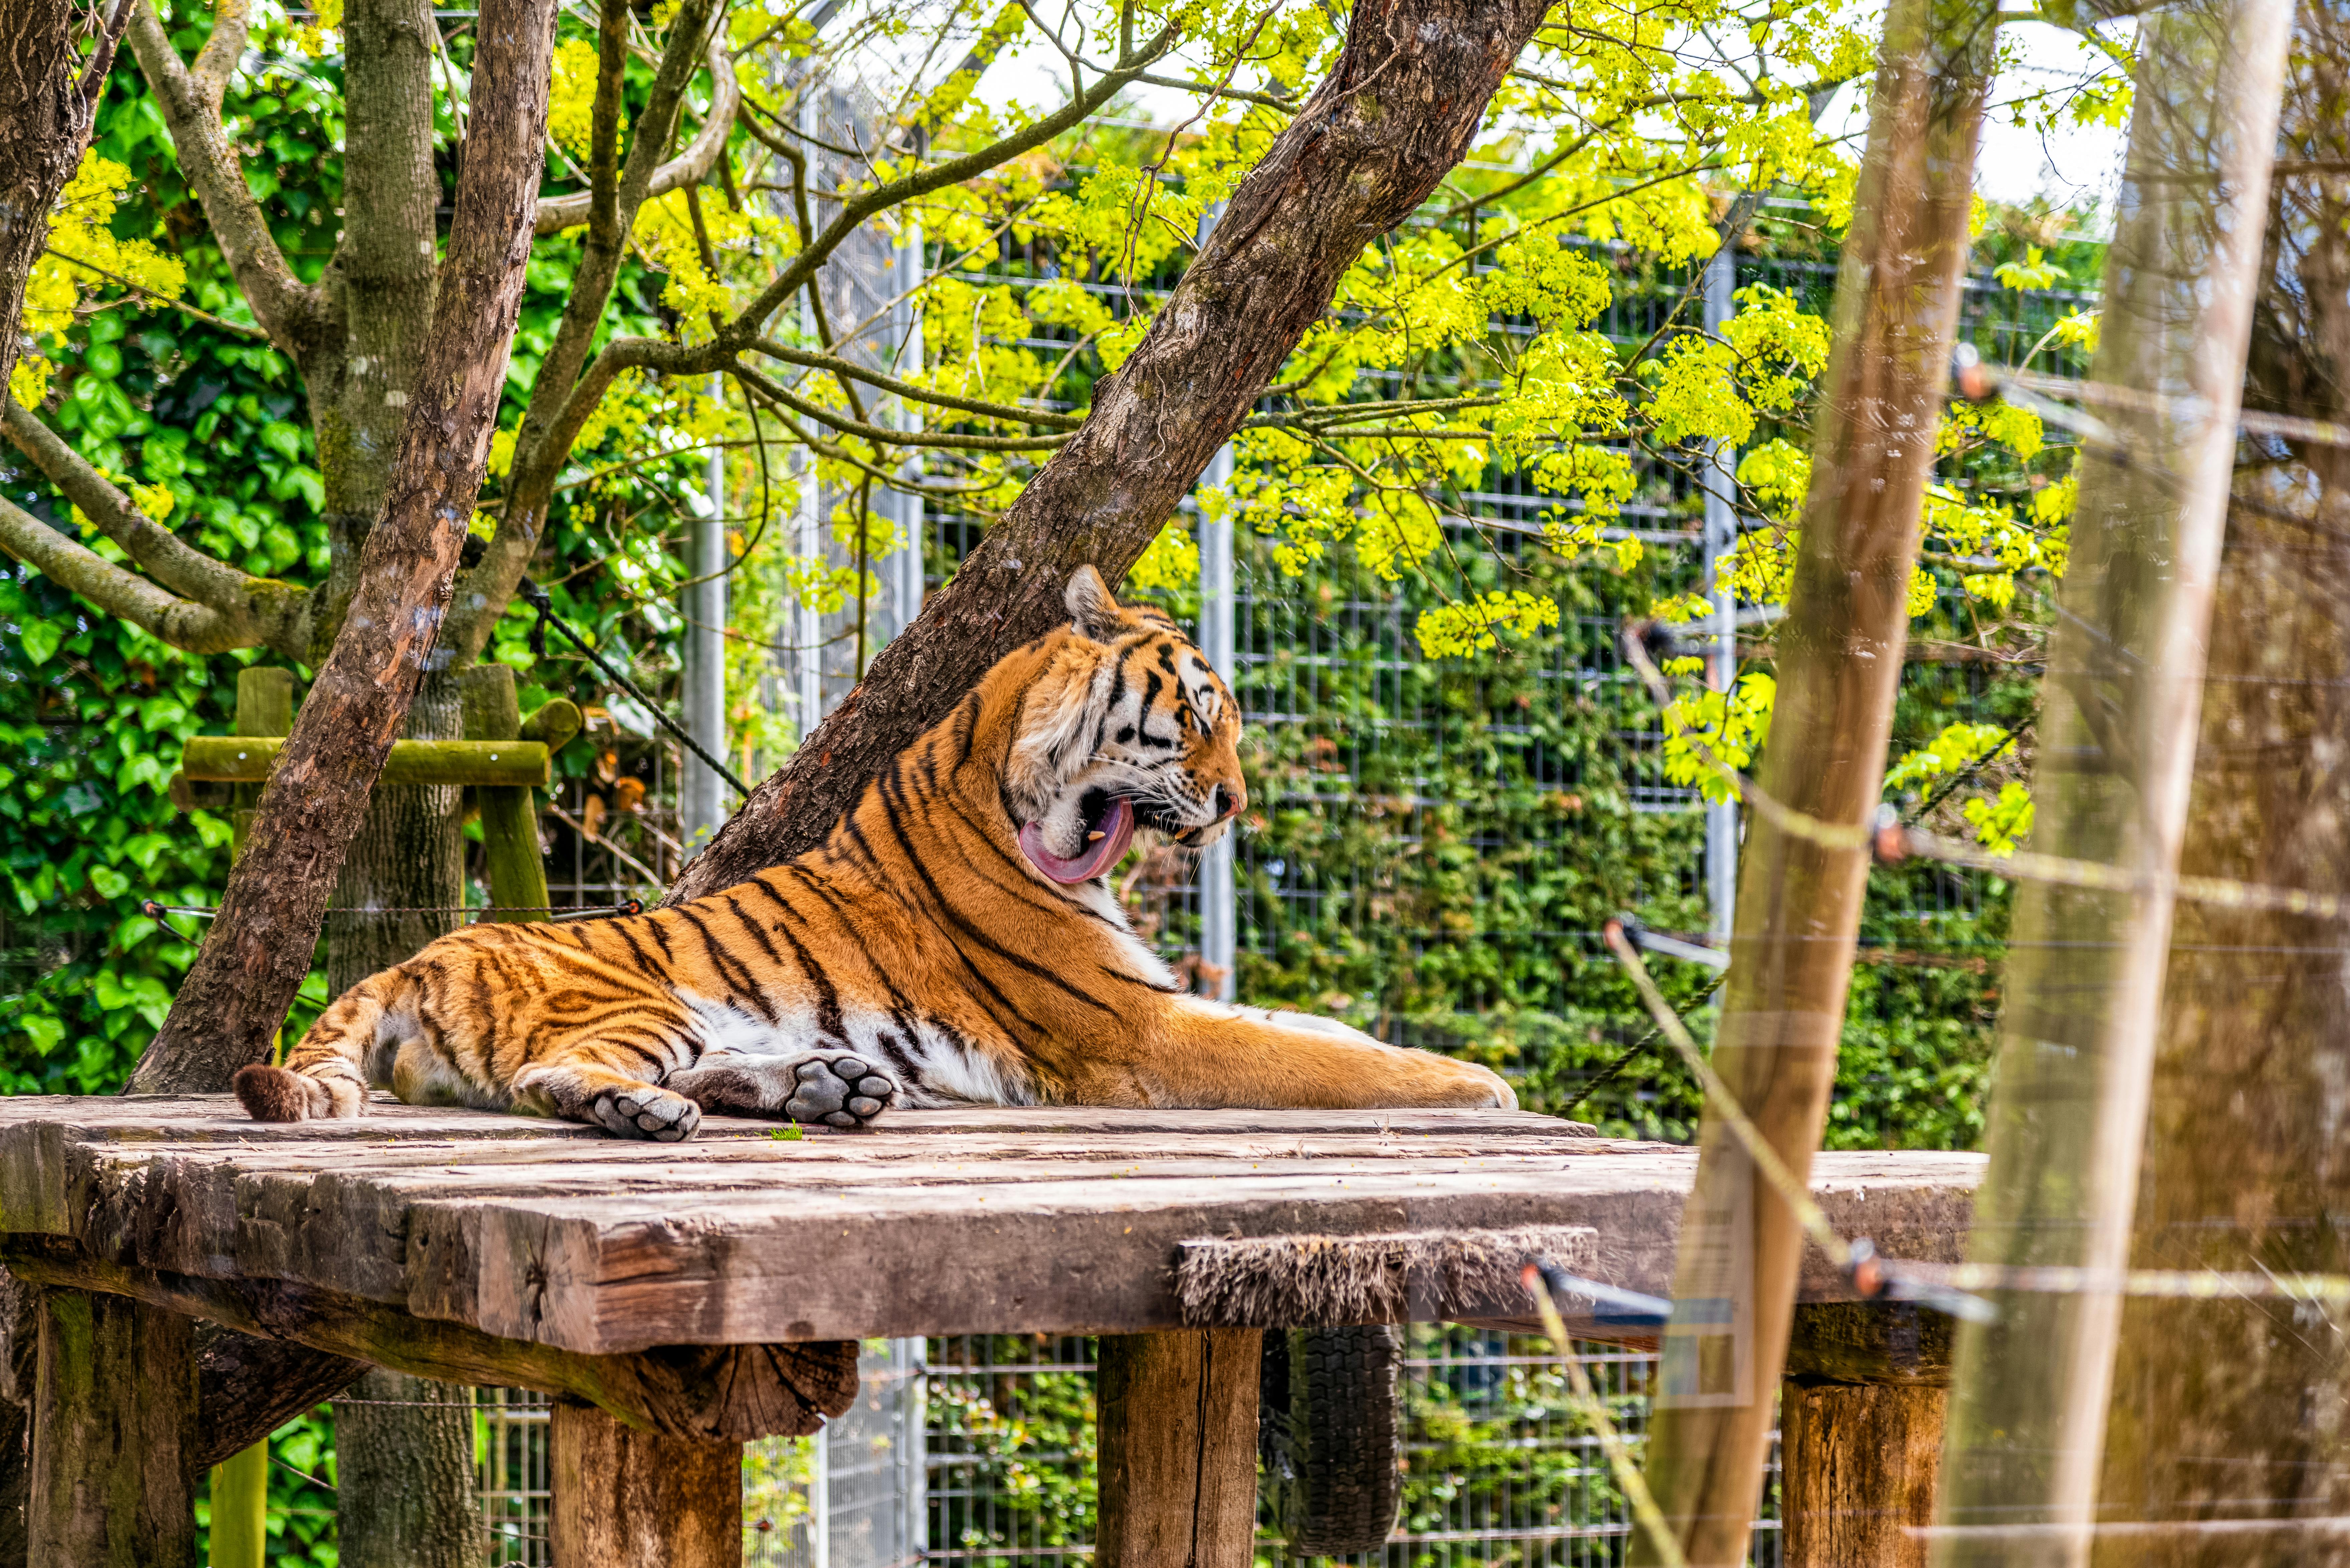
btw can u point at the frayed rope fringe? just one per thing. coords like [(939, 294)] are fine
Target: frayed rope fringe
[(1298, 1281)]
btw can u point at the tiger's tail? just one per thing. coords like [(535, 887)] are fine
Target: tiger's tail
[(326, 1075)]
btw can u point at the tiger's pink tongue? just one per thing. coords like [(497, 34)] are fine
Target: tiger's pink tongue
[(1116, 833)]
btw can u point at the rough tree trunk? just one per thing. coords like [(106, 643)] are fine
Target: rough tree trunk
[(404, 1485), (2086, 967), (2224, 1409), (1839, 664), (380, 279), (43, 121), (259, 947), (412, 1453), (1407, 93)]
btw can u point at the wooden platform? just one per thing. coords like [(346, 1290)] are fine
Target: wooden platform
[(936, 1222)]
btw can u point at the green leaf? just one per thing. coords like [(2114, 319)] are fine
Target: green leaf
[(45, 1033), (283, 439), (41, 639)]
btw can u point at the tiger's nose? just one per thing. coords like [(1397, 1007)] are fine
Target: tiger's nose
[(1227, 802)]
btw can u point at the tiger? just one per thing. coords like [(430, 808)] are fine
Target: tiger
[(954, 941)]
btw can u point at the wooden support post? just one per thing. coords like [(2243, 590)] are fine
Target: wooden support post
[(1177, 1430), (1860, 1462), (1838, 662), (509, 813), (629, 1499), (1860, 1433), (240, 1525), (114, 1415), (265, 698)]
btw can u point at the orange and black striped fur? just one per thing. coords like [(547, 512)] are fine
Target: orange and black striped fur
[(954, 941)]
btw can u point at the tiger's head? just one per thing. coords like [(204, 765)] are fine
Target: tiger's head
[(1125, 727)]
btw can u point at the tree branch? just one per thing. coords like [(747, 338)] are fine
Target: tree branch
[(218, 59), (77, 569), (834, 365), (855, 210), (267, 613), (254, 611), (882, 436), (1215, 90), (547, 440), (161, 301), (297, 317), (691, 167), (543, 445)]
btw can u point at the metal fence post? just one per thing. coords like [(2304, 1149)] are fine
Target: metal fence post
[(1218, 914), (901, 574), (1721, 657), (700, 796)]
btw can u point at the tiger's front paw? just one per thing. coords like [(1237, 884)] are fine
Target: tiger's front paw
[(838, 1089), (1469, 1086), (647, 1111)]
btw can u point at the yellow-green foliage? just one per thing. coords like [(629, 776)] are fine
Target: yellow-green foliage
[(1730, 726), (571, 96), (1470, 626), (79, 233)]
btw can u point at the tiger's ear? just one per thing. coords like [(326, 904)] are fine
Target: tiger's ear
[(1097, 615)]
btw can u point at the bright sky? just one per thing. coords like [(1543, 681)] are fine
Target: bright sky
[(2075, 167)]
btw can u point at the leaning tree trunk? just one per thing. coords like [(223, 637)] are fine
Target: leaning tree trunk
[(258, 950), (2222, 1408), (44, 122), (1839, 665), (2085, 969), (1407, 93)]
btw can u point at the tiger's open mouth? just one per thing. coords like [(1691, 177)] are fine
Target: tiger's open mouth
[(1109, 829)]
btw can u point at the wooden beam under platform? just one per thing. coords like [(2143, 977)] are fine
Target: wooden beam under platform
[(707, 1393)]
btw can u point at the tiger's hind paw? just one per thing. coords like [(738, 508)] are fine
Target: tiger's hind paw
[(646, 1111), (838, 1090)]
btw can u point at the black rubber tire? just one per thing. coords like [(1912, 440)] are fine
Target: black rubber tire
[(1330, 1433)]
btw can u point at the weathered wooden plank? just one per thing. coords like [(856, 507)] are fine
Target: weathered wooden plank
[(246, 759), (1859, 1467), (625, 1498), (114, 1410), (1178, 1430), (988, 1158), (942, 1222), (705, 1393)]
